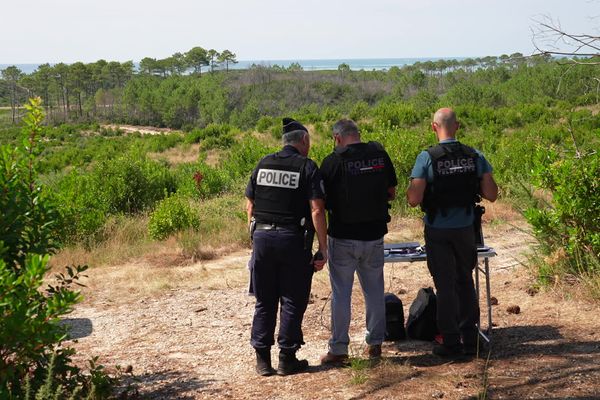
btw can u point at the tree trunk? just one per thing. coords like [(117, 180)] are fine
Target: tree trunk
[(68, 104), (13, 108)]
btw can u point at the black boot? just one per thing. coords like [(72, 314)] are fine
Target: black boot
[(289, 364), (263, 362)]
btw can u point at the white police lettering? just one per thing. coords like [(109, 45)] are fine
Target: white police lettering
[(364, 166), (278, 178), (456, 166)]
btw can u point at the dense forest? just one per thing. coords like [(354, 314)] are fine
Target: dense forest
[(174, 92), (71, 177)]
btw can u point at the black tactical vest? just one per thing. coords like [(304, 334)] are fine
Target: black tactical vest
[(362, 193), (280, 196), (455, 179)]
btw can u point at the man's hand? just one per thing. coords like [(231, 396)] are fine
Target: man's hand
[(319, 259)]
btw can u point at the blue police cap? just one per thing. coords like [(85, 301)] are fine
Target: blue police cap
[(290, 124)]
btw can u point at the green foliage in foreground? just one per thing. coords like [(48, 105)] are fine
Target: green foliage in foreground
[(569, 226), (28, 219), (32, 356)]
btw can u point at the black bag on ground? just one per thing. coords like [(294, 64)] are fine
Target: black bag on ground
[(421, 323), (394, 318)]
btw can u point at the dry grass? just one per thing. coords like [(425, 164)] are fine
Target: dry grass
[(163, 271), (594, 108), (126, 239), (222, 230), (181, 154), (403, 229), (500, 211), (213, 157)]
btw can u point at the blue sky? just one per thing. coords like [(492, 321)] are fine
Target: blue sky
[(35, 31)]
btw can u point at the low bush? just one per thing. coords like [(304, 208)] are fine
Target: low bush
[(33, 358), (29, 219), (172, 215), (570, 223)]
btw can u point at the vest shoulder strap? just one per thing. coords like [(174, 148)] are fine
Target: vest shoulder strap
[(436, 151), (440, 150), (376, 146)]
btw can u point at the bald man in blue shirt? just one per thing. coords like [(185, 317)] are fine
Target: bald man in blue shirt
[(448, 180)]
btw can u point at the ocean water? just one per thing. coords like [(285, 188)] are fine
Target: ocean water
[(356, 64)]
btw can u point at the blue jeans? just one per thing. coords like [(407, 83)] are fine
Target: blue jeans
[(366, 258)]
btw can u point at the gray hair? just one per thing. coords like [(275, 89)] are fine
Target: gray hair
[(293, 137), (346, 127)]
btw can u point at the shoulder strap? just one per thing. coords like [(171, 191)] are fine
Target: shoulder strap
[(468, 150), (436, 151), (376, 146)]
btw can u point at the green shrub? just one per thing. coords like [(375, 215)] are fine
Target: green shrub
[(29, 218), (131, 183), (202, 181), (571, 222), (29, 327), (264, 123), (84, 211), (128, 184), (223, 142), (243, 157), (359, 111), (397, 114), (32, 355), (194, 136), (217, 135), (171, 215)]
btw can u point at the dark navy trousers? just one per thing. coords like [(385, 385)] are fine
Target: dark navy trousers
[(451, 258), (281, 277)]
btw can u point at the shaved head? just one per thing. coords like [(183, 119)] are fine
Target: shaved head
[(445, 118), (444, 124)]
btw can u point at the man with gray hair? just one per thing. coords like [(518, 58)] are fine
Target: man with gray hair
[(359, 180), (285, 206)]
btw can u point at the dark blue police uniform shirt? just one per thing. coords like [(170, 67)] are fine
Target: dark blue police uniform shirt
[(310, 174), (455, 217)]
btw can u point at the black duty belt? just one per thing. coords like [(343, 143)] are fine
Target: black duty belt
[(277, 227)]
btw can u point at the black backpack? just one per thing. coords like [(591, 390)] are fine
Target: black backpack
[(421, 322), (394, 318)]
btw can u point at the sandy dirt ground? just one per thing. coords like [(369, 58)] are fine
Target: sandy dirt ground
[(144, 130), (188, 337)]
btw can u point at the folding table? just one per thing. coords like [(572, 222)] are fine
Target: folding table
[(413, 251)]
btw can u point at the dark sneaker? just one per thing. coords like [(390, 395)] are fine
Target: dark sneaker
[(289, 364), (442, 350), (334, 359), (263, 363), (373, 351)]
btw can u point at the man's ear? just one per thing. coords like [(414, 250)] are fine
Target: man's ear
[(434, 126)]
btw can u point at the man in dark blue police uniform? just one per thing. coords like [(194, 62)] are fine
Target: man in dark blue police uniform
[(447, 181), (359, 181), (285, 206)]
